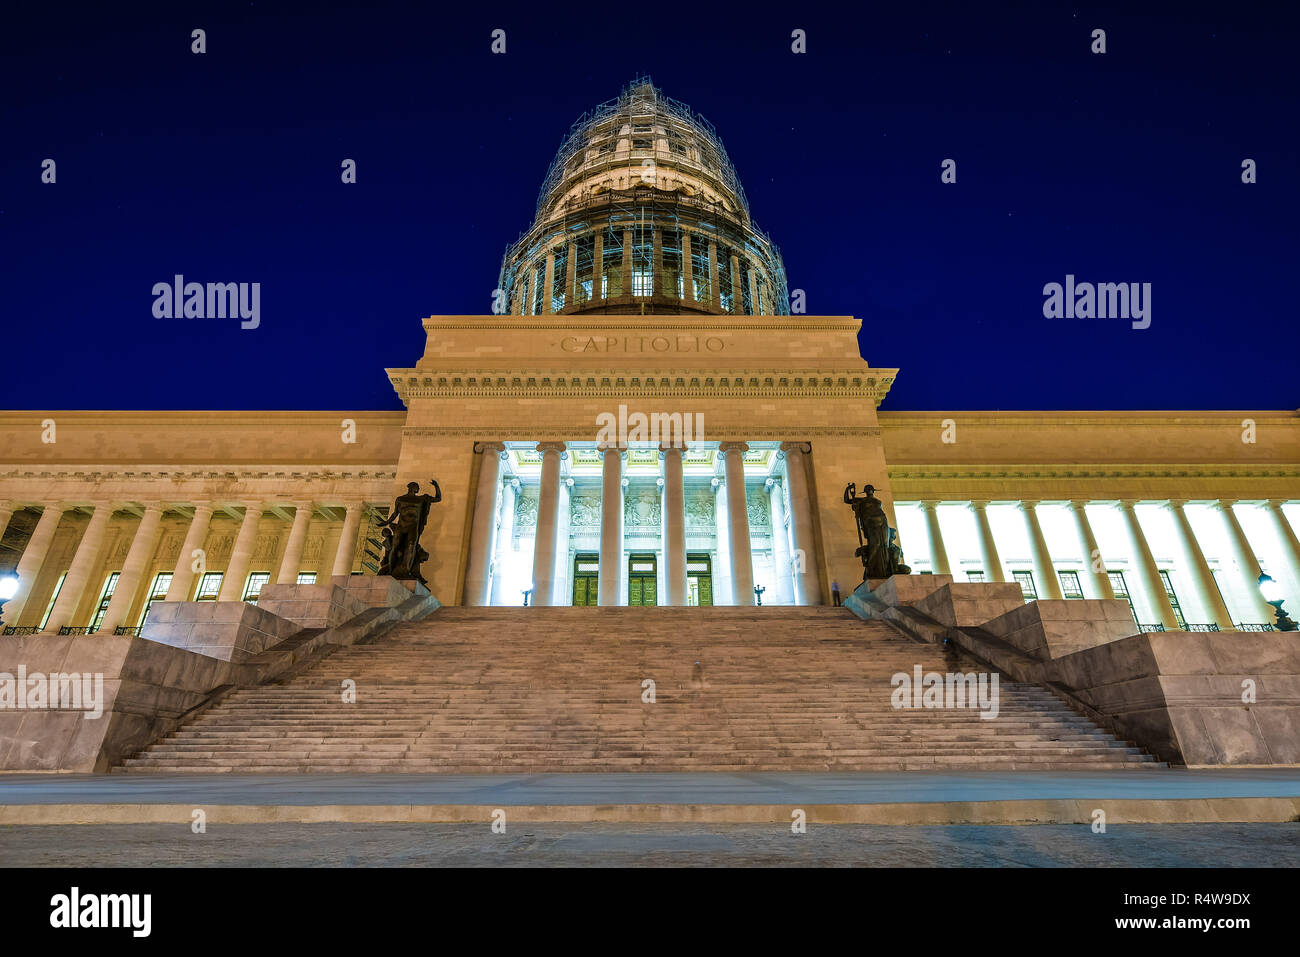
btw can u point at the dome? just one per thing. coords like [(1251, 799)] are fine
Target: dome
[(641, 211)]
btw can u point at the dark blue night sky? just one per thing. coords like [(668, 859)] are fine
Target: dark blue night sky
[(225, 167)]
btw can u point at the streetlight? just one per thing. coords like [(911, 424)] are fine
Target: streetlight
[(758, 594), (8, 588), (527, 594), (1272, 593)]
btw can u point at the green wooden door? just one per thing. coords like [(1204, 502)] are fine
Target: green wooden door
[(642, 581), (586, 579), (699, 580)]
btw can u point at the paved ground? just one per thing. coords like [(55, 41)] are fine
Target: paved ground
[(643, 787), (737, 845)]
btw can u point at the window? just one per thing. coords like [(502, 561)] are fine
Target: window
[(974, 576), (1070, 586), (1026, 582), (110, 586), (254, 587), (306, 578), (209, 586), (49, 609), (559, 274), (643, 143), (1120, 588), (1173, 600), (161, 582)]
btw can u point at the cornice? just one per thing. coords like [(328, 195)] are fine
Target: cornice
[(898, 420), (985, 472), (693, 322), (188, 473), (540, 433)]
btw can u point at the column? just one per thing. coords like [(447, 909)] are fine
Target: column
[(141, 551), (1290, 543), (1211, 598), (183, 574), (737, 294), (753, 293), (29, 566), (563, 567), (241, 556), (688, 269), (549, 281), (1247, 567), (714, 294), (1099, 585), (660, 284), (346, 553), (1147, 568), (83, 566), (807, 584), (479, 565), (598, 265), (1049, 585), (988, 545), (291, 563), (627, 262), (742, 564), (938, 554), (504, 540), (780, 543), (6, 513), (611, 524), (674, 525), (571, 275), (548, 507), (722, 566)]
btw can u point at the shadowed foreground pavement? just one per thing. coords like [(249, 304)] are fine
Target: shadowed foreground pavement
[(735, 845)]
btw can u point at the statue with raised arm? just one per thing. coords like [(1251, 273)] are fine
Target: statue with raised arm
[(402, 530), (873, 531)]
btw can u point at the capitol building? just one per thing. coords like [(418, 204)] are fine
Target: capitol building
[(644, 293)]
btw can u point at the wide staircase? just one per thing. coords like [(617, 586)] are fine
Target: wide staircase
[(561, 689)]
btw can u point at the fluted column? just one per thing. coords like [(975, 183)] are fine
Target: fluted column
[(938, 554), (742, 561), (611, 525), (989, 556), (346, 553), (1248, 569), (138, 555), (1290, 543), (29, 566), (291, 563), (598, 265), (548, 508), (478, 568), (1049, 585), (549, 291), (1210, 596), (688, 268), (504, 537), (1098, 580), (674, 525), (83, 565), (241, 556), (780, 543), (1147, 568), (722, 566), (563, 528), (183, 573), (808, 585)]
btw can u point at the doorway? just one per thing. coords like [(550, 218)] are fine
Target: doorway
[(586, 578), (699, 580), (642, 580)]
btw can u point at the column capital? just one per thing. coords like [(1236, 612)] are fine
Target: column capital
[(1129, 504), (482, 448), (802, 447), (930, 504), (716, 483), (678, 447), (603, 447), (513, 482), (1275, 503), (979, 504), (566, 481), (545, 447), (771, 482), (728, 447), (202, 507), (302, 504)]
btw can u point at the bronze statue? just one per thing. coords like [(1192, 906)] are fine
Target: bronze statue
[(877, 547), (402, 530)]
